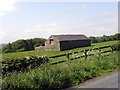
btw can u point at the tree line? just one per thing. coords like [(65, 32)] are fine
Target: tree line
[(105, 38), (23, 45), (30, 44)]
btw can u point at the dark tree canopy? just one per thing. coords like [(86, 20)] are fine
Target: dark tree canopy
[(38, 42), (23, 45), (7, 48), (105, 38)]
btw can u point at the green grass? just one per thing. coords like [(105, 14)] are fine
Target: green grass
[(70, 73), (19, 55), (61, 75)]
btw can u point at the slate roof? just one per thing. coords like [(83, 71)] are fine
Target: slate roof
[(70, 37)]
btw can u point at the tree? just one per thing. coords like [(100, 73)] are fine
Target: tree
[(116, 36), (105, 38), (20, 45), (30, 44), (23, 45), (93, 39), (8, 48), (38, 42)]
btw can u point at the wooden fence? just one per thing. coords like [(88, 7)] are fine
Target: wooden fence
[(24, 64), (85, 53)]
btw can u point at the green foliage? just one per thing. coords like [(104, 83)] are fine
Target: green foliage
[(116, 36), (20, 45), (27, 63), (19, 55), (8, 48), (105, 38), (56, 77), (23, 45), (38, 42), (93, 39), (116, 46), (30, 45), (22, 64)]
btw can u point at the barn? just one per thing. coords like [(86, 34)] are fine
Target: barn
[(65, 42)]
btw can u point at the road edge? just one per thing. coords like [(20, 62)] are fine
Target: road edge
[(93, 79)]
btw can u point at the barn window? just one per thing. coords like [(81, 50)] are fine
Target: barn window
[(51, 41)]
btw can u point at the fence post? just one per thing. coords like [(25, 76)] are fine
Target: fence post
[(85, 53), (68, 56), (99, 51), (112, 49)]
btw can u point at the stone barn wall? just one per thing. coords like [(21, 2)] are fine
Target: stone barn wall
[(52, 44), (40, 48)]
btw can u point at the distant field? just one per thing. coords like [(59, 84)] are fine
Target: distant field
[(19, 55)]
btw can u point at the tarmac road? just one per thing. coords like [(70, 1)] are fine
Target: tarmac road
[(108, 81)]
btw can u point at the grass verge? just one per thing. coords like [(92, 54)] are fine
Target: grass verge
[(56, 77)]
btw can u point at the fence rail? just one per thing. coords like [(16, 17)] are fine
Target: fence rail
[(24, 64), (112, 48), (86, 50)]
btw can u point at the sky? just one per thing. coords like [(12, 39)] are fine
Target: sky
[(24, 20)]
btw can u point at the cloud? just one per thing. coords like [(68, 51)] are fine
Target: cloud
[(99, 29), (76, 8), (43, 30), (104, 24), (104, 18), (97, 26), (7, 6), (83, 6)]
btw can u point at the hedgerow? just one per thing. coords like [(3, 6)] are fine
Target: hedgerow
[(59, 76)]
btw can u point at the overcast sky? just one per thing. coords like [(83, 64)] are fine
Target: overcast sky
[(23, 20)]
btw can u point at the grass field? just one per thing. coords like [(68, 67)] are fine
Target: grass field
[(56, 77), (19, 55), (62, 75)]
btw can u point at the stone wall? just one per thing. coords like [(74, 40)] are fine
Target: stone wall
[(40, 48)]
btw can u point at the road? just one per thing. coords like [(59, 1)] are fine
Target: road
[(108, 81)]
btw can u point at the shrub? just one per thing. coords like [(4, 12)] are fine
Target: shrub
[(55, 77)]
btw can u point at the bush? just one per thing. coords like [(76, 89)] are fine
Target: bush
[(116, 47), (55, 77), (23, 45), (22, 64)]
